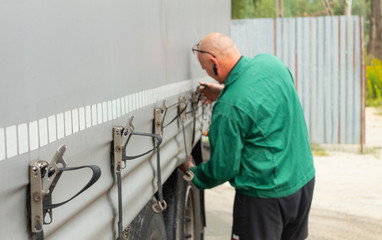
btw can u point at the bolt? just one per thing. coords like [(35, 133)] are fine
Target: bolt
[(37, 197)]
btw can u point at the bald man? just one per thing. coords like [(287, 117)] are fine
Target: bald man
[(259, 142)]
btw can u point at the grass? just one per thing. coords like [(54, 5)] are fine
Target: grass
[(378, 111), (317, 150), (372, 150)]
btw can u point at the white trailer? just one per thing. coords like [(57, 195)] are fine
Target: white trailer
[(72, 74)]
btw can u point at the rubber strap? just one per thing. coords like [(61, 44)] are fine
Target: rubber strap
[(189, 175), (38, 235), (119, 183), (177, 116), (159, 141), (96, 175)]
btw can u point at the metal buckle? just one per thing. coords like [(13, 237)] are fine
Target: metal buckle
[(188, 176), (159, 206)]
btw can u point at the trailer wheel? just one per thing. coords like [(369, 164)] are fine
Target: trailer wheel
[(189, 215), (183, 217), (148, 225)]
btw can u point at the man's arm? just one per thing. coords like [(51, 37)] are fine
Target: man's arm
[(226, 141), (210, 91)]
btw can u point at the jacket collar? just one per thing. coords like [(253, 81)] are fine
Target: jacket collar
[(237, 70)]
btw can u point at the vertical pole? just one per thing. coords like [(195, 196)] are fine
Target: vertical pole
[(275, 35), (339, 80), (277, 8), (363, 84)]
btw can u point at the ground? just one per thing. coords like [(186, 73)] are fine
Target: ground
[(347, 202)]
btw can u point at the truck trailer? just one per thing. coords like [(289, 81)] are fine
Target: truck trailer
[(99, 106)]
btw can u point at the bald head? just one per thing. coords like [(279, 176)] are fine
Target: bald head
[(220, 45), (225, 52)]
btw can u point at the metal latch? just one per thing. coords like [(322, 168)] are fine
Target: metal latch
[(159, 114), (182, 109), (121, 138), (43, 177), (195, 99)]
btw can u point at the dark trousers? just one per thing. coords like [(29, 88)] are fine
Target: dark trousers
[(283, 218)]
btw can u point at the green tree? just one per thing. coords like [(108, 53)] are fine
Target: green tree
[(295, 8), (265, 9), (243, 9), (374, 83)]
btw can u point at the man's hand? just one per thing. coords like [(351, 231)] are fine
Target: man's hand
[(210, 91), (184, 167)]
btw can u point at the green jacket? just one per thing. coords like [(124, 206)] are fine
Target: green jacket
[(258, 136)]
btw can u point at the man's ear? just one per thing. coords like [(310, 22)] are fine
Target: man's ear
[(214, 66), (215, 69)]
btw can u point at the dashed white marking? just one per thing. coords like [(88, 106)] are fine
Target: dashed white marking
[(75, 120), (22, 132), (118, 107), (33, 135), (123, 110), (81, 112), (19, 139), (11, 136), (88, 116), (94, 115), (114, 103), (2, 144), (109, 111), (99, 112), (126, 104), (68, 123), (60, 126), (52, 130), (43, 131), (104, 111)]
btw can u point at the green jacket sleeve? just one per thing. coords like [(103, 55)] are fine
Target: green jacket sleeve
[(226, 142)]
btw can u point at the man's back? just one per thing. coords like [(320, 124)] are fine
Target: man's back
[(259, 96)]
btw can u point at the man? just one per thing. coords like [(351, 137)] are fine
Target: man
[(259, 142)]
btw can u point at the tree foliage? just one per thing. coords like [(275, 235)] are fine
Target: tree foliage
[(374, 83), (294, 8), (243, 9), (374, 47)]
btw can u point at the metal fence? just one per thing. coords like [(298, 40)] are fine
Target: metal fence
[(325, 57)]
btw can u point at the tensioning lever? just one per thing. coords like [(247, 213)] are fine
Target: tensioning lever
[(121, 138)]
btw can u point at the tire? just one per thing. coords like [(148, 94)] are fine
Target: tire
[(192, 221), (183, 216), (147, 225)]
